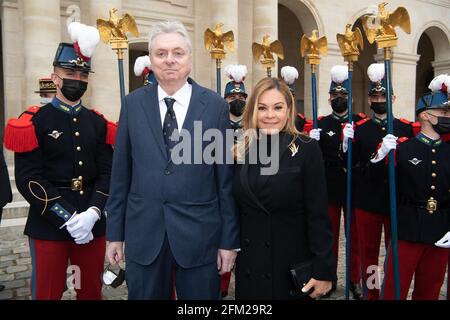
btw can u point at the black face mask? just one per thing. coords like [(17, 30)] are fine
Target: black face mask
[(73, 90), (339, 104), (237, 107), (442, 126), (378, 107)]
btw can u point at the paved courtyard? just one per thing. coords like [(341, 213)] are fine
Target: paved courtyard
[(15, 267)]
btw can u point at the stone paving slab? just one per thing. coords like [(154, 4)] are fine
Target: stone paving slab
[(15, 270)]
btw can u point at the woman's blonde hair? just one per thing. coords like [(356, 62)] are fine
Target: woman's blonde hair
[(250, 120)]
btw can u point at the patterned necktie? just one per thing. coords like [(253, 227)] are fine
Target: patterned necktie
[(170, 126)]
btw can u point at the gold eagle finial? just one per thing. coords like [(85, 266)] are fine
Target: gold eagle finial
[(116, 27), (350, 42), (381, 27), (266, 49), (218, 40), (313, 47)]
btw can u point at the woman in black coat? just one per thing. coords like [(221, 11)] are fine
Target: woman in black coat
[(283, 214)]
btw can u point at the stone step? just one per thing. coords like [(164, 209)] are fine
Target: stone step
[(16, 209)]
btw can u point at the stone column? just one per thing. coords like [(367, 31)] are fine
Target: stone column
[(41, 36), (265, 21), (227, 13), (104, 83), (244, 48)]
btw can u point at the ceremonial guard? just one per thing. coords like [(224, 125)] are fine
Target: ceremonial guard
[(63, 154), (423, 183), (143, 68), (235, 93), (47, 90), (371, 196), (290, 75), (329, 136)]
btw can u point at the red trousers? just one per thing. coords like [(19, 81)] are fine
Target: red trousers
[(426, 262), (334, 211), (369, 227), (50, 260)]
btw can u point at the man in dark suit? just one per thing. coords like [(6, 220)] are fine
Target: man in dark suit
[(5, 190), (178, 221)]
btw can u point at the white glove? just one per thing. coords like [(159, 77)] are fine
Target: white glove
[(85, 240), (81, 225), (315, 134), (349, 133), (444, 242), (389, 143)]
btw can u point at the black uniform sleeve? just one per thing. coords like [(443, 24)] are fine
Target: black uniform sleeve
[(38, 191), (319, 225), (104, 161)]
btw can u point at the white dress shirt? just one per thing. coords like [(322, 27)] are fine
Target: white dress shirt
[(180, 107)]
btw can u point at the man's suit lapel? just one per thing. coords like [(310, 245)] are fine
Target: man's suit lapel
[(150, 107)]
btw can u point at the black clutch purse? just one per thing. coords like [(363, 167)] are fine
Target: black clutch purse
[(301, 274)]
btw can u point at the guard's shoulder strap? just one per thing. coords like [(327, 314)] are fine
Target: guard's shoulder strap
[(362, 121), (362, 115), (301, 116), (416, 127), (111, 128), (406, 121), (20, 134)]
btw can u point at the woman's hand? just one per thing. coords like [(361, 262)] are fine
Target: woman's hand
[(320, 287)]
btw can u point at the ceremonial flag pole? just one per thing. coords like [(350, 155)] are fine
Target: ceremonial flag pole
[(381, 29), (263, 52), (312, 48), (114, 32), (215, 42), (348, 44)]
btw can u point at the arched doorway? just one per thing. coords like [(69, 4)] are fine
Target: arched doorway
[(136, 49), (433, 46), (296, 18)]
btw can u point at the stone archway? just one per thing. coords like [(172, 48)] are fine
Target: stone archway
[(296, 18), (135, 50), (433, 46)]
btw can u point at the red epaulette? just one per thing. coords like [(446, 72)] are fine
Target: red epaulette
[(405, 121), (402, 139), (362, 121), (362, 115), (301, 116), (416, 127), (111, 129), (320, 118), (309, 125), (20, 135)]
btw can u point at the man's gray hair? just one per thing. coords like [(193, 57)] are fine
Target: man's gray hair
[(168, 27)]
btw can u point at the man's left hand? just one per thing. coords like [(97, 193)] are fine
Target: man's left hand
[(225, 260)]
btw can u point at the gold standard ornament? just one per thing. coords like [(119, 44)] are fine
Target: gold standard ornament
[(313, 47), (264, 53), (349, 43), (215, 43), (114, 32), (381, 27)]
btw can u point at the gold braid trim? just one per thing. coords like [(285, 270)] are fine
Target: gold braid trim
[(105, 194), (46, 199)]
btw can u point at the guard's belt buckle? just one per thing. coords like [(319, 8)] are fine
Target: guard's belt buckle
[(431, 205), (77, 184)]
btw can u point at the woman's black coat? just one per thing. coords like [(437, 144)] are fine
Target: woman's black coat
[(284, 221)]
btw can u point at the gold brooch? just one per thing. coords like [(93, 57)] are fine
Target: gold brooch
[(294, 149)]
